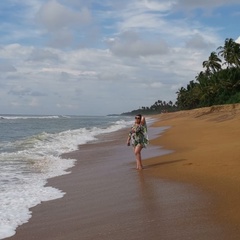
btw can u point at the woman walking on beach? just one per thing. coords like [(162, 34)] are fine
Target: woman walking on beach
[(138, 138)]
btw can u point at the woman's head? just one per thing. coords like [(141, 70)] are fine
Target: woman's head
[(138, 117)]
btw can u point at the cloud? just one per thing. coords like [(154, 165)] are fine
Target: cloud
[(158, 5), (90, 77), (139, 15), (61, 22), (21, 91), (4, 67), (130, 44), (55, 16), (33, 102), (204, 4), (156, 31), (238, 40), (197, 41), (43, 55)]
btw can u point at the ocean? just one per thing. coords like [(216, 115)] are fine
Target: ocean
[(30, 153)]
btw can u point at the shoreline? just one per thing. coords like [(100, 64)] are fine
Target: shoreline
[(107, 198)]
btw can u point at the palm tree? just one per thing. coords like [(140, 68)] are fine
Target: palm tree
[(160, 102), (182, 98), (236, 55), (213, 64), (230, 52)]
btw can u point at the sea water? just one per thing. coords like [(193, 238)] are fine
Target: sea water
[(30, 153)]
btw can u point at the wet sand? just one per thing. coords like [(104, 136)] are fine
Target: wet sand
[(106, 198)]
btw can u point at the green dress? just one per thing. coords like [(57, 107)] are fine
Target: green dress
[(138, 135)]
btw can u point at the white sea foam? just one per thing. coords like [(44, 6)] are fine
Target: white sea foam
[(27, 163), (22, 187), (13, 117)]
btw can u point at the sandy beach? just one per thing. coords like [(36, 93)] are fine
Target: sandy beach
[(206, 148), (190, 193)]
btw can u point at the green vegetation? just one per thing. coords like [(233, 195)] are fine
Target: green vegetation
[(158, 107), (218, 84)]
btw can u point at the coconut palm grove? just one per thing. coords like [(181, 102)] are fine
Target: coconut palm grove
[(217, 84)]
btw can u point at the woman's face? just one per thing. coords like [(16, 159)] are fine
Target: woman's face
[(137, 119)]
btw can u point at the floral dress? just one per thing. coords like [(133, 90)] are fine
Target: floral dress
[(138, 135)]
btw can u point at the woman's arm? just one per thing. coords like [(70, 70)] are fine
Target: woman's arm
[(129, 137), (143, 121)]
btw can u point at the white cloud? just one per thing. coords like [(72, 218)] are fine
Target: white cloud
[(131, 45), (43, 55), (199, 42), (55, 16), (159, 5), (205, 4), (61, 21), (238, 40), (156, 85), (4, 67), (34, 102)]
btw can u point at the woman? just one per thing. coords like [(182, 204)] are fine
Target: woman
[(139, 139)]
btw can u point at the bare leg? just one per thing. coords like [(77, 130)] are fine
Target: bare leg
[(137, 152)]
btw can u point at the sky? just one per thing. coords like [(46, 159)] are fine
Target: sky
[(99, 57)]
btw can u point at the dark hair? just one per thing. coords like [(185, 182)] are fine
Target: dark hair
[(139, 115)]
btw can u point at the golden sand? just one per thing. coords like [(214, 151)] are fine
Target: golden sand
[(206, 144)]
